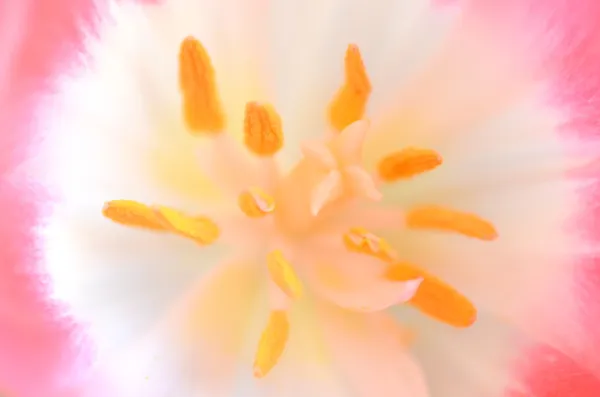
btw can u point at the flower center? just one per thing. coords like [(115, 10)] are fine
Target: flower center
[(324, 194)]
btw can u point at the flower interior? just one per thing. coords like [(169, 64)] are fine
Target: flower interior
[(327, 203)]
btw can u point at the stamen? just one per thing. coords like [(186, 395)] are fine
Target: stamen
[(200, 229), (272, 343), (408, 163), (263, 133), (201, 104), (256, 203), (364, 242), (350, 102), (282, 273), (432, 217), (434, 297), (132, 213)]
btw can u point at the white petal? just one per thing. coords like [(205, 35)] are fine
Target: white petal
[(511, 170), (196, 349), (471, 362), (372, 353)]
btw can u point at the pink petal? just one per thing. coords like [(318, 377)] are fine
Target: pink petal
[(39, 355), (565, 36)]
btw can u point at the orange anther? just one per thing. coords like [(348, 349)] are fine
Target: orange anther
[(201, 104), (256, 203), (350, 102), (438, 218), (407, 163), (263, 134), (362, 241), (200, 229), (132, 213), (434, 297)]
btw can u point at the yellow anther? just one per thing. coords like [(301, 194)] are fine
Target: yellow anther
[(439, 218), (263, 133), (362, 241), (434, 297), (256, 203), (282, 273), (350, 102), (200, 229), (408, 163), (201, 104), (132, 213), (272, 343)]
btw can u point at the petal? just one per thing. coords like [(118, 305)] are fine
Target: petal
[(474, 75), (197, 345), (106, 273), (508, 159), (476, 361), (371, 351), (322, 30), (220, 160), (40, 355), (306, 367)]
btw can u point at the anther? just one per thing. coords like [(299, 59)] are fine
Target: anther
[(407, 163), (434, 297), (200, 229), (362, 241), (350, 102), (271, 344), (202, 109), (282, 273), (263, 133), (132, 213), (256, 203), (439, 218)]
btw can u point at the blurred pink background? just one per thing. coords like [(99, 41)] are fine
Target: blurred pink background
[(38, 38)]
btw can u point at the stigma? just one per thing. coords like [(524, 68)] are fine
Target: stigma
[(287, 210)]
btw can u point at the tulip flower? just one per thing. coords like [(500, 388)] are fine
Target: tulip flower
[(323, 198)]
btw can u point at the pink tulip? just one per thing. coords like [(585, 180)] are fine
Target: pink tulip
[(288, 198)]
